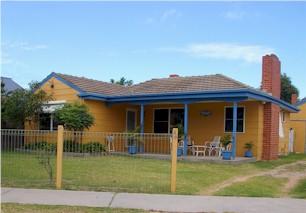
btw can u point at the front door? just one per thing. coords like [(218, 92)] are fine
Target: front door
[(130, 120)]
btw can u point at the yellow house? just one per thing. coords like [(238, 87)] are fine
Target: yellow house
[(297, 124), (206, 106)]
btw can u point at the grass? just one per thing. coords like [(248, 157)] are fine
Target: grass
[(127, 174), (261, 186), (25, 208), (299, 191)]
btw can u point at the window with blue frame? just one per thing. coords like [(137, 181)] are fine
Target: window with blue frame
[(167, 119), (229, 119)]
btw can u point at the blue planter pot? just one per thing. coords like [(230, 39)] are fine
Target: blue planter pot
[(226, 155), (132, 149), (248, 154), (141, 149), (179, 151)]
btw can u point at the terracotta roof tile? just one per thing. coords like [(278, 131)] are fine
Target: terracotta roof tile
[(157, 86)]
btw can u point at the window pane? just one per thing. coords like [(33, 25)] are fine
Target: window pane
[(229, 113), (240, 112), (131, 122), (240, 126), (160, 127), (176, 117), (161, 115), (228, 125), (44, 121)]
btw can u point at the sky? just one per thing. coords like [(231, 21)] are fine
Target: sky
[(145, 40)]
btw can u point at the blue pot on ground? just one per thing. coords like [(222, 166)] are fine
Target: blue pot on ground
[(132, 149), (141, 148), (248, 154), (226, 155), (179, 151)]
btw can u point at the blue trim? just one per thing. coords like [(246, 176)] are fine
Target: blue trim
[(185, 128), (222, 95), (301, 102), (53, 74), (235, 106)]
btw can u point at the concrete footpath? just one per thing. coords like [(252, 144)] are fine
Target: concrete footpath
[(153, 202)]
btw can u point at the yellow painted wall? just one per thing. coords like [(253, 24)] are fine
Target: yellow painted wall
[(110, 118), (298, 123), (203, 128), (284, 141)]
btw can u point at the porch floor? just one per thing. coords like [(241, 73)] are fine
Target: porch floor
[(210, 159)]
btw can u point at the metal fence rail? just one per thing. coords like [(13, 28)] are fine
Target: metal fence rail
[(91, 160), (27, 155)]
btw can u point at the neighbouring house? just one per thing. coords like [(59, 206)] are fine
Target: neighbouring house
[(9, 86), (296, 125), (206, 106)]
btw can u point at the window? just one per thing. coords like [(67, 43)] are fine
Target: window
[(167, 119), (45, 121), (130, 120), (283, 117), (161, 122), (229, 119)]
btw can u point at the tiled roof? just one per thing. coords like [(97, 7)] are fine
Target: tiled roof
[(187, 84), (95, 86), (157, 86), (9, 84)]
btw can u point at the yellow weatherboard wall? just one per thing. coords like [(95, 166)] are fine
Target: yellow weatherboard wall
[(202, 128), (298, 123)]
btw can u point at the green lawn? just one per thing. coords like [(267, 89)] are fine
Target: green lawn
[(299, 190), (261, 186), (127, 174), (23, 208)]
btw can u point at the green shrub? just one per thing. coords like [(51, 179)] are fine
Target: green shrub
[(42, 145), (95, 147)]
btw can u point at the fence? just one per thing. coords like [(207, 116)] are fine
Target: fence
[(91, 160)]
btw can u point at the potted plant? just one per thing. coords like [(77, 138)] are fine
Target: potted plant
[(226, 140), (132, 144), (135, 142), (248, 153)]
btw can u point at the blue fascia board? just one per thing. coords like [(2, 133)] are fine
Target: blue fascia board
[(190, 97), (299, 103), (53, 74)]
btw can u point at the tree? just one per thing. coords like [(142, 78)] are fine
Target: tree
[(23, 105), (74, 116), (287, 88), (122, 81)]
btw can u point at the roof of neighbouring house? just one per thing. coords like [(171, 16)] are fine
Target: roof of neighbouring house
[(300, 102), (182, 89), (9, 84)]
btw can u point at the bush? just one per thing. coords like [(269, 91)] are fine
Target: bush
[(42, 145), (70, 146)]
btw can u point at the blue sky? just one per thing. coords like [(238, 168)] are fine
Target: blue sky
[(142, 40)]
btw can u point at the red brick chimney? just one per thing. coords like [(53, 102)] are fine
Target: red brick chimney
[(173, 75), (294, 98), (271, 84)]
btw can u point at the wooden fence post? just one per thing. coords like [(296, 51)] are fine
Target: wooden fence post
[(59, 156), (174, 159)]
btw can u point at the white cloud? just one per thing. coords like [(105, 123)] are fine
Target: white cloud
[(164, 16), (229, 51), (235, 15), (169, 14), (23, 46)]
